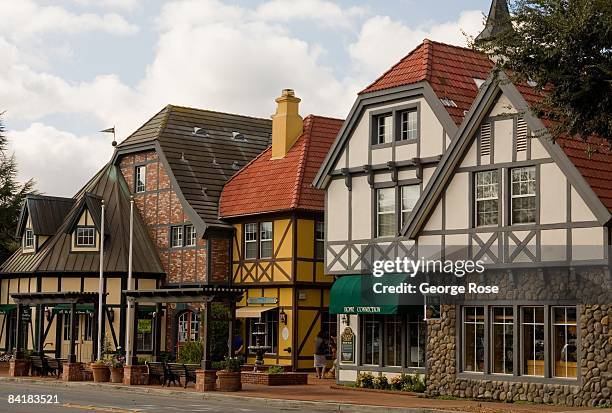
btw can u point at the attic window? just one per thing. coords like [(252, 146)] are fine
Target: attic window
[(485, 139), (479, 82), (448, 103), (521, 135), (28, 239), (85, 237), (239, 137), (199, 132), (235, 166)]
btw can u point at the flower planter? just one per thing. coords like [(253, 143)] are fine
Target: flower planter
[(101, 373), (229, 380), (116, 374)]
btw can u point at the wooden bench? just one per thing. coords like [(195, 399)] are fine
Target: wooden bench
[(157, 372), (54, 366), (174, 372), (38, 366)]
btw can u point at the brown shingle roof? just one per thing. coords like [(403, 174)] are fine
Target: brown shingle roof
[(271, 185)]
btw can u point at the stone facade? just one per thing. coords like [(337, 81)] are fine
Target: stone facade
[(593, 388), (19, 368)]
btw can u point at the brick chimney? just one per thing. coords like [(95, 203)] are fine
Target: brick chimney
[(287, 124)]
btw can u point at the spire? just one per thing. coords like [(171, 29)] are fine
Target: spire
[(498, 21)]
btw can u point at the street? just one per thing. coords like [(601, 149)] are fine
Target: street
[(71, 399)]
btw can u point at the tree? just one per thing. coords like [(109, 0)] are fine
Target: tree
[(12, 195), (564, 47)]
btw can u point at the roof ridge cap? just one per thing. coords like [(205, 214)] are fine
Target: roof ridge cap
[(218, 111), (307, 134), (428, 59)]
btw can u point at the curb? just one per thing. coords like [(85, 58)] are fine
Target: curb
[(319, 406)]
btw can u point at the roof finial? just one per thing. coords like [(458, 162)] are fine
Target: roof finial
[(498, 21)]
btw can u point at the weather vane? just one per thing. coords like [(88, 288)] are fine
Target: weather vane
[(110, 130)]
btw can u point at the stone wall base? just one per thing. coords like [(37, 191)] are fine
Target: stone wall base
[(285, 379), (72, 372), (19, 367), (135, 375), (206, 380)]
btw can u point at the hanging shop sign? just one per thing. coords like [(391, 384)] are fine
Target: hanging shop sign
[(262, 300)]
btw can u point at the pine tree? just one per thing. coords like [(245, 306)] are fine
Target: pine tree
[(12, 195), (565, 47)]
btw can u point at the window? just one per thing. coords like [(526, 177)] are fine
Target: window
[(189, 326), (265, 240), (564, 342), (176, 237), (384, 129), (408, 125), (88, 333), (487, 198), (393, 340), (190, 236), (270, 320), (417, 333), (250, 241), (473, 339), (144, 335), (502, 340), (329, 323), (28, 239), (410, 196), (66, 332), (385, 211), (371, 340), (319, 240), (523, 195), (85, 237), (140, 178), (533, 341)]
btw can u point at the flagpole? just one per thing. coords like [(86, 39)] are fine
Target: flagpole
[(101, 285), (128, 336)]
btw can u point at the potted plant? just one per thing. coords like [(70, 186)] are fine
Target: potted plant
[(116, 369), (100, 371), (229, 376)]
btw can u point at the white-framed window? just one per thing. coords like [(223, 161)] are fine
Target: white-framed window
[(371, 340), (190, 236), (88, 326), (188, 326), (502, 334), (408, 125), (140, 178), (384, 129), (410, 195), (486, 185), (250, 241), (533, 341), (67, 325), (523, 195), (386, 220), (28, 239), (144, 335), (565, 338), (319, 239), (85, 237), (265, 240), (473, 339), (176, 237)]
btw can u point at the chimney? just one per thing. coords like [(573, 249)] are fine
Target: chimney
[(287, 124)]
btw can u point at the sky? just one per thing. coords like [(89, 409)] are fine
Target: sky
[(69, 68)]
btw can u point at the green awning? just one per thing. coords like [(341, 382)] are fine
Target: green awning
[(80, 308), (5, 308), (354, 294)]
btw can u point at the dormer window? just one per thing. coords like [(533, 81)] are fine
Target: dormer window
[(85, 237), (28, 239), (140, 178)]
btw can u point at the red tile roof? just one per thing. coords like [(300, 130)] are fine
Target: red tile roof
[(450, 70), (272, 185)]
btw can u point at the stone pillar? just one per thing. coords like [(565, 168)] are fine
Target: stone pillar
[(206, 380), (440, 351), (135, 375), (72, 372)]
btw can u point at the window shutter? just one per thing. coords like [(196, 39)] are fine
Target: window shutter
[(521, 135), (485, 139)]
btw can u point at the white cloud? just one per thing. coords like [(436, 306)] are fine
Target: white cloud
[(319, 11), (110, 4), (383, 41), (59, 161), (25, 18)]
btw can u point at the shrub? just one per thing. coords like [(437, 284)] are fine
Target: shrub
[(230, 364), (414, 384), (365, 380), (381, 383), (276, 370), (191, 353), (398, 382)]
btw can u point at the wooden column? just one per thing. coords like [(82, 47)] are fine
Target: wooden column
[(134, 334), (232, 320), (204, 319), (40, 329), (73, 321), (18, 353), (157, 332)]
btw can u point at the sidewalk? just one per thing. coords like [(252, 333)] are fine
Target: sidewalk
[(319, 395)]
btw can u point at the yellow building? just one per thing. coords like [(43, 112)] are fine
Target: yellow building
[(277, 248)]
